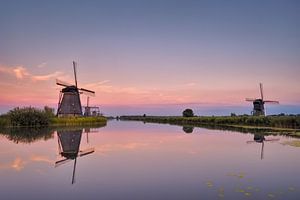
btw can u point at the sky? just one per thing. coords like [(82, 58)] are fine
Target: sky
[(153, 57)]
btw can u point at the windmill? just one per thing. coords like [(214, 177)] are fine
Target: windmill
[(69, 97), (261, 139), (69, 148), (259, 103)]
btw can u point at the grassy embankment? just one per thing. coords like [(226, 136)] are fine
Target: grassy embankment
[(289, 125), (33, 117)]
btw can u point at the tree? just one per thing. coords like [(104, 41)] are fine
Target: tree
[(188, 113)]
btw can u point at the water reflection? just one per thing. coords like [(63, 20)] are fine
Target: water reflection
[(149, 161), (261, 139), (27, 135), (188, 129), (69, 147)]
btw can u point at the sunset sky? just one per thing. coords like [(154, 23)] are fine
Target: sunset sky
[(153, 57)]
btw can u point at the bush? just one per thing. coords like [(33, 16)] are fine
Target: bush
[(28, 116), (49, 111), (4, 121), (188, 113)]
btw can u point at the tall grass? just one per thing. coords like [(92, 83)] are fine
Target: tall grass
[(78, 121)]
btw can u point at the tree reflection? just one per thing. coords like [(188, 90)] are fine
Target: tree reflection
[(188, 129), (27, 135)]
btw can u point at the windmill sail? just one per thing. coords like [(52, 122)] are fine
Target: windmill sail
[(75, 72), (62, 83), (87, 92), (261, 91), (258, 103)]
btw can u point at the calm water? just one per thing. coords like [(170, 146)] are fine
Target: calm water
[(132, 160)]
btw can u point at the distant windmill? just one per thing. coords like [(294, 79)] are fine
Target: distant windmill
[(69, 98), (261, 139), (259, 104), (68, 147)]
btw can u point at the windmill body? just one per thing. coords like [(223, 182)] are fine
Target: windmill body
[(258, 107), (69, 103), (259, 103)]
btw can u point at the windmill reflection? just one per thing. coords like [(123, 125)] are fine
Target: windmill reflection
[(69, 148), (261, 139)]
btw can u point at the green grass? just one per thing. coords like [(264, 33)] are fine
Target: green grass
[(77, 121)]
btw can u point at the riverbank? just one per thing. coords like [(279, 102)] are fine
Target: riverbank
[(33, 117), (78, 121), (285, 125), (55, 122)]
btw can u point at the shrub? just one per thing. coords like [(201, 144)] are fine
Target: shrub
[(4, 121), (188, 113), (28, 116), (49, 111)]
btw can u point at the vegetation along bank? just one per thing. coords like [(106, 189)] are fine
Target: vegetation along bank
[(33, 117), (276, 123)]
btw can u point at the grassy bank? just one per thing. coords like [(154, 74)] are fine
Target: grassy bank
[(77, 121), (33, 117), (289, 124)]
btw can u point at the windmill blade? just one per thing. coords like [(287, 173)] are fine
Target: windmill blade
[(250, 99), (62, 161), (261, 91), (86, 152), (74, 171), (271, 102), (262, 151), (87, 92), (62, 83), (75, 72)]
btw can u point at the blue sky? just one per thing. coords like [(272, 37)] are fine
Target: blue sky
[(211, 54)]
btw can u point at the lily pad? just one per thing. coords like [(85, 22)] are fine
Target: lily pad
[(294, 143)]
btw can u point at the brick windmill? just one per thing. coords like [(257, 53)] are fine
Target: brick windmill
[(259, 103), (69, 97)]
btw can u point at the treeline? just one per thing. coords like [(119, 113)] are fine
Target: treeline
[(260, 121), (34, 117)]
